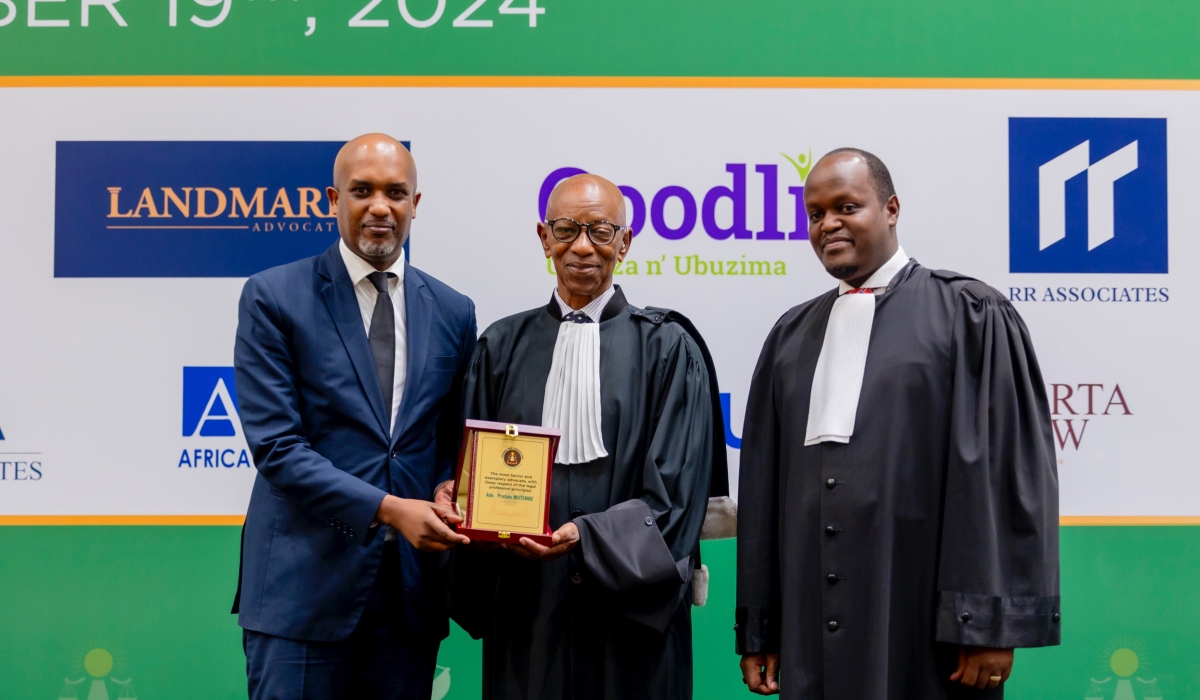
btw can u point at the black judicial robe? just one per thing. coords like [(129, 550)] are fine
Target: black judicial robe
[(866, 564), (612, 618)]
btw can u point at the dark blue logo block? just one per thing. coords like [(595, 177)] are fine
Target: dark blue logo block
[(1087, 195), (210, 402), (190, 208)]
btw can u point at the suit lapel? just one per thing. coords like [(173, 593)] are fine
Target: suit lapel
[(343, 307), (418, 309)]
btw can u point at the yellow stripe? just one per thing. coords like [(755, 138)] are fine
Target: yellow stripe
[(1066, 520), (122, 519), (483, 81), (1129, 520)]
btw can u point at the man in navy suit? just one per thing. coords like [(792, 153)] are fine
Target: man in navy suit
[(349, 372)]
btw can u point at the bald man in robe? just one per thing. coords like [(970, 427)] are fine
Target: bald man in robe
[(349, 371), (604, 611)]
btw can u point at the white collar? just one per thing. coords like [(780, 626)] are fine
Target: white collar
[(594, 309), (359, 268), (883, 275)]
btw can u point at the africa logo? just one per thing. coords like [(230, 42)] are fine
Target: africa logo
[(513, 457)]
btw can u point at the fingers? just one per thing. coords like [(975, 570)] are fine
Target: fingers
[(752, 672), (970, 675), (447, 513), (962, 664), (772, 681)]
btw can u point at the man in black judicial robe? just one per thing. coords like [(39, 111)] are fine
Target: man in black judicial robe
[(907, 557), (604, 612)]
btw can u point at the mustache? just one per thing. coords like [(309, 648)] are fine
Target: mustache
[(390, 223)]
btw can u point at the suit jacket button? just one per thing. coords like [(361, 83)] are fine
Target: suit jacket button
[(829, 531), (1057, 617), (576, 578), (576, 513), (965, 617), (830, 483), (832, 578), (649, 520), (833, 626)]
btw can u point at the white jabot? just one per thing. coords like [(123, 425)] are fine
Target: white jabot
[(365, 292), (572, 403), (837, 381)]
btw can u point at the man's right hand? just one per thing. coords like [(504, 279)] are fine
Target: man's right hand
[(425, 525), (753, 675)]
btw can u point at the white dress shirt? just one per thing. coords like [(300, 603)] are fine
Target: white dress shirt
[(366, 293), (572, 400), (837, 381)]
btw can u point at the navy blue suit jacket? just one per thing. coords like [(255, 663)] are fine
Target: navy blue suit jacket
[(312, 412)]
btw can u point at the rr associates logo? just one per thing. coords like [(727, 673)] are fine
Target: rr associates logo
[(1087, 195), (190, 208), (210, 412)]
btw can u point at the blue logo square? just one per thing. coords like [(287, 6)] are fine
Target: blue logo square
[(210, 402), (1087, 195)]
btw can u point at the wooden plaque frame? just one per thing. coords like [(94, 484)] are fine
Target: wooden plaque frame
[(465, 487)]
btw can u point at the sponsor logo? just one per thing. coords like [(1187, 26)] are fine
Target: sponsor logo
[(1087, 195), (190, 208), (1124, 676), (98, 665), (20, 466), (722, 212), (1073, 407), (210, 410)]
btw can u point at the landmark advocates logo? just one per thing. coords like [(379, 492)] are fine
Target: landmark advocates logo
[(190, 208)]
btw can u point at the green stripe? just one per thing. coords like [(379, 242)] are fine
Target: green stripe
[(864, 38), (158, 599)]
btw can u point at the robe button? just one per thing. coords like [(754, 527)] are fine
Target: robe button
[(576, 578), (965, 617), (1057, 617), (830, 483), (830, 531), (576, 513), (832, 578), (649, 520), (833, 626)]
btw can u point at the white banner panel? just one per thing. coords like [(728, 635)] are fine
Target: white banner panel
[(1091, 247)]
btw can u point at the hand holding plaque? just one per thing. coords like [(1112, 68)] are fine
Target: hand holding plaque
[(502, 487)]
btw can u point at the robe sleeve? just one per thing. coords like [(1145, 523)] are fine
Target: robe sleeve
[(998, 582), (756, 627), (642, 550)]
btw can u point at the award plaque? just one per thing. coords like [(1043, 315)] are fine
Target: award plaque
[(502, 488)]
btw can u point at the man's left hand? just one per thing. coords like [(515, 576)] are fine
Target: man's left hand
[(564, 540), (980, 667), (443, 495)]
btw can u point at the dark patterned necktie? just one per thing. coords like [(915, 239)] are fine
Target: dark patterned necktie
[(383, 338), (578, 317)]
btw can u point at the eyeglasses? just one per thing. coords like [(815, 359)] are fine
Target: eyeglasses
[(598, 232)]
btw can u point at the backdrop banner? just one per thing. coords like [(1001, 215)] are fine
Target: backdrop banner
[(145, 175)]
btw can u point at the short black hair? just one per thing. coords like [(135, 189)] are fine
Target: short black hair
[(881, 178)]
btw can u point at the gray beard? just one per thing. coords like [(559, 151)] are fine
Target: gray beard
[(377, 250)]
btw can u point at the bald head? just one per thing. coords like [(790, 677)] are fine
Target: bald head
[(590, 191), (375, 192), (584, 268), (369, 149)]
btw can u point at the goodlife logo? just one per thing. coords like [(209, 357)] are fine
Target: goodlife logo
[(1114, 219)]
